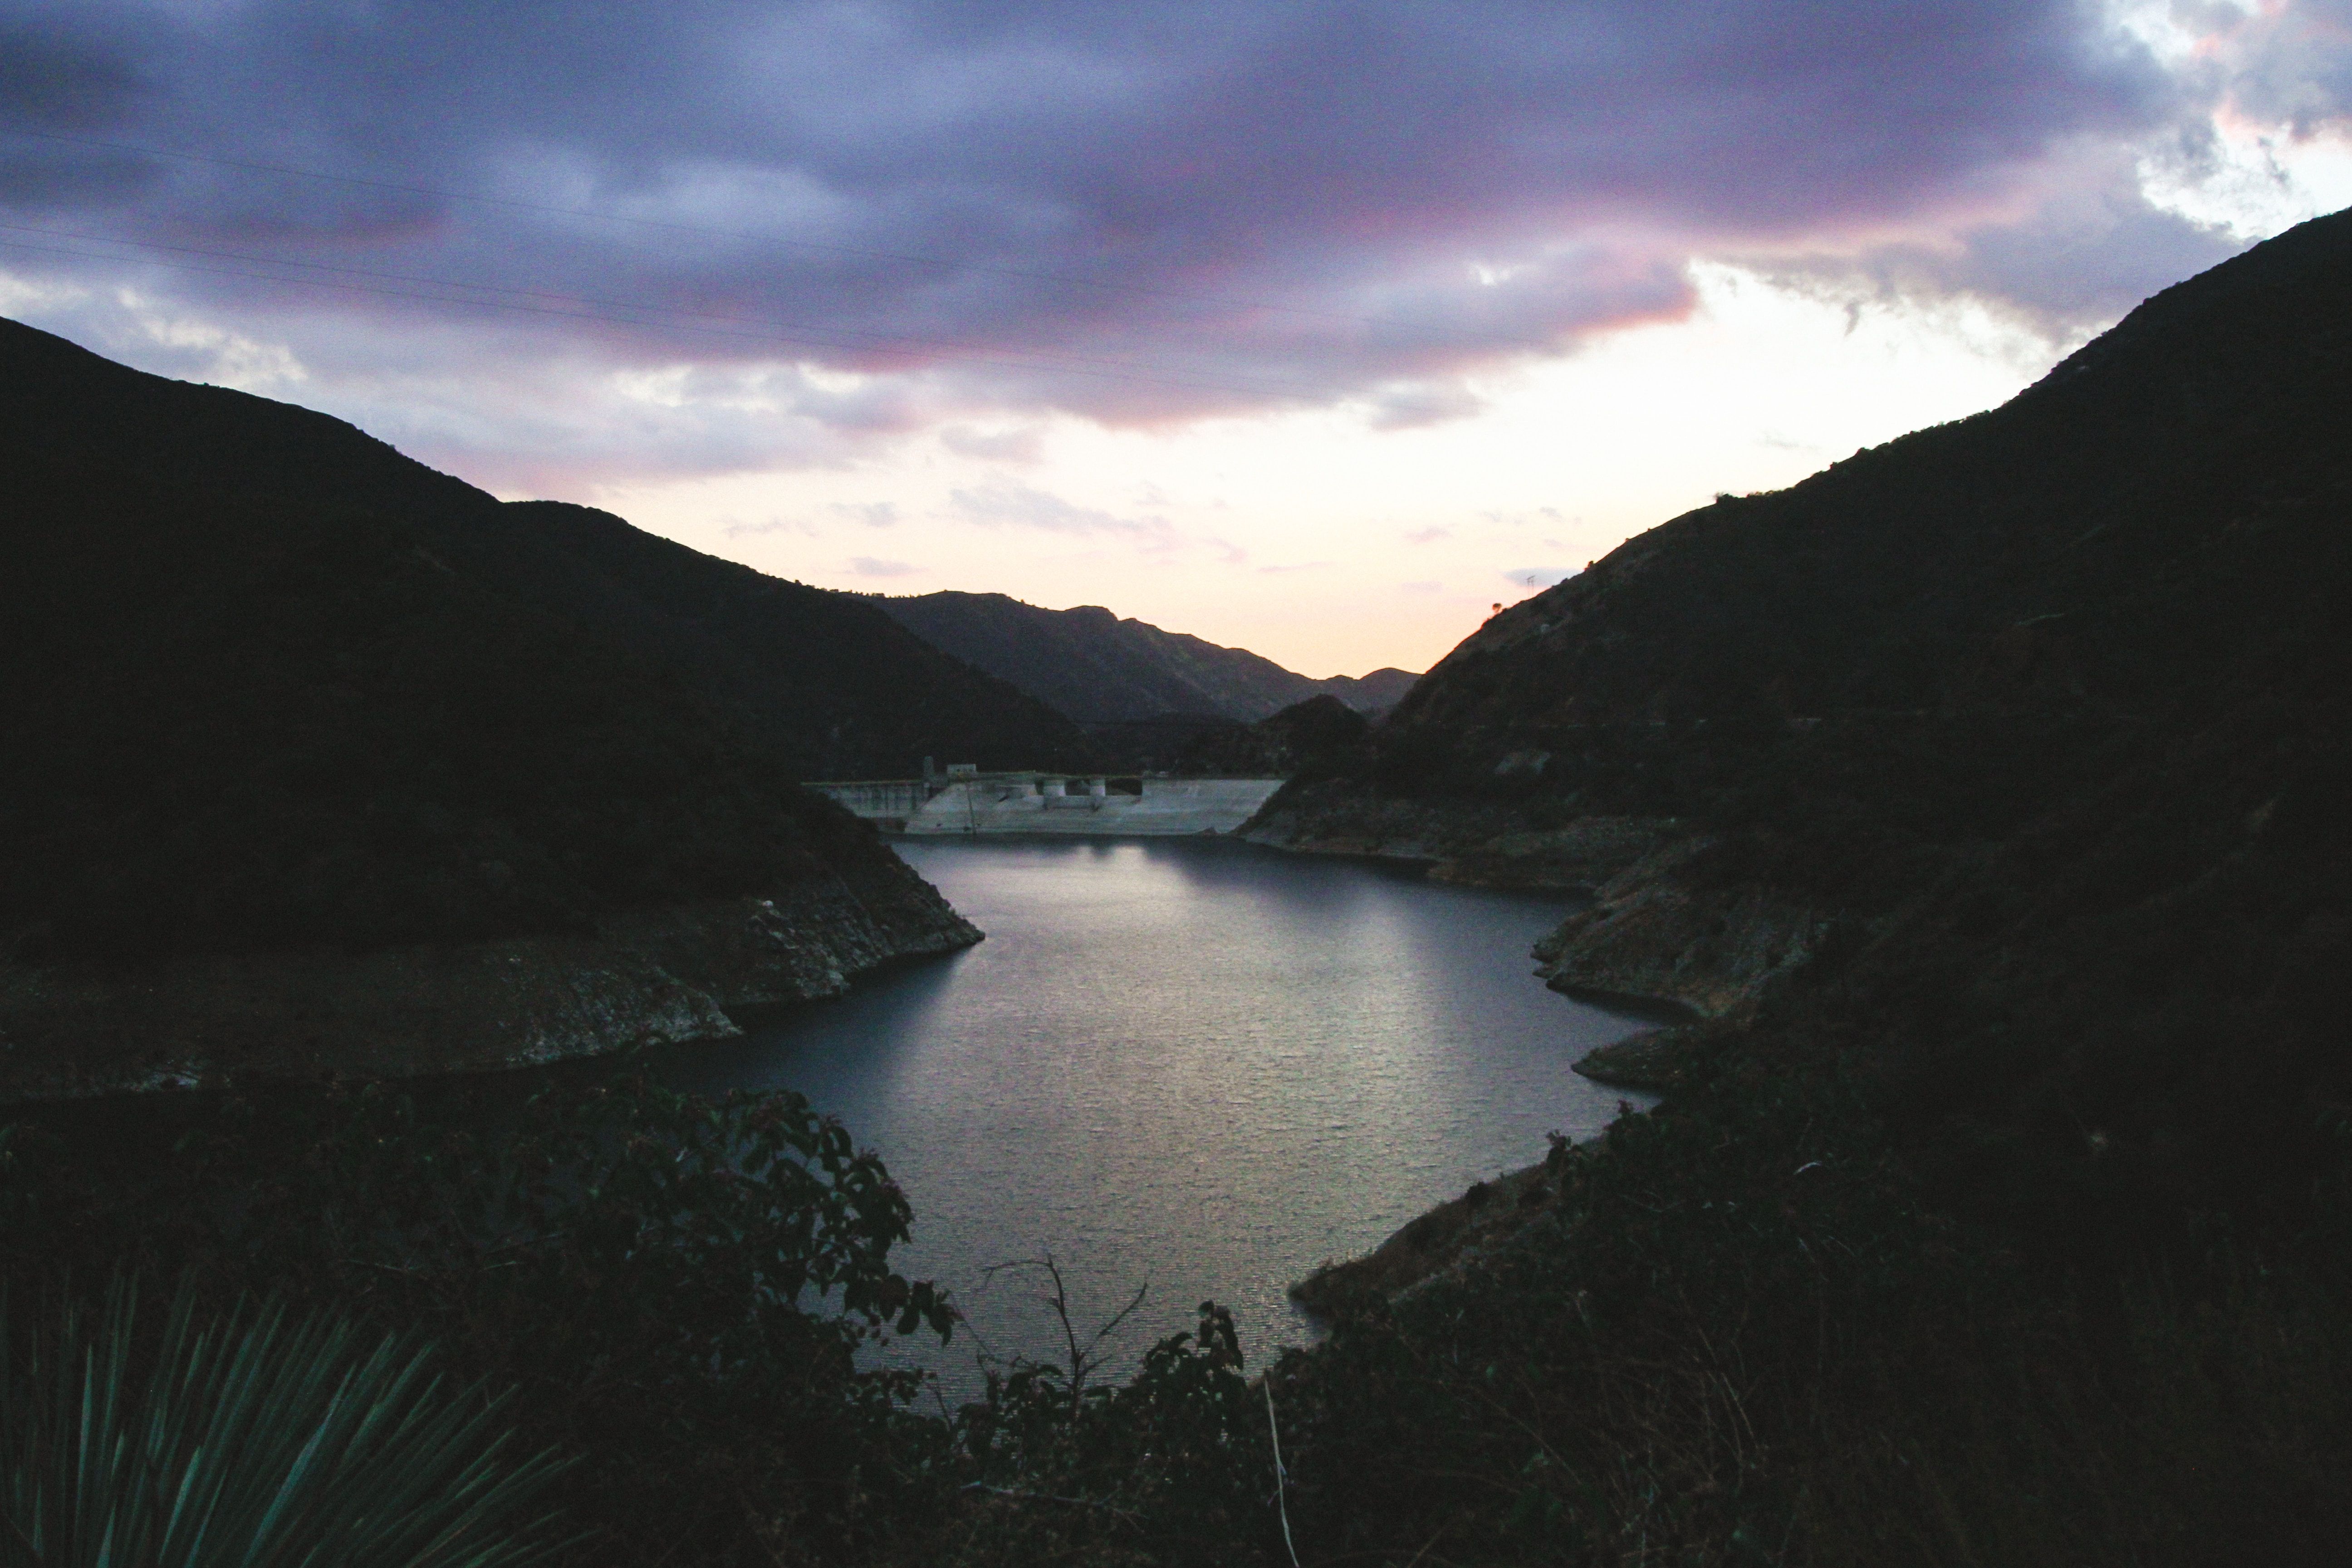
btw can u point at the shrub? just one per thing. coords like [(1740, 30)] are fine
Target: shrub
[(677, 1287), (249, 1440)]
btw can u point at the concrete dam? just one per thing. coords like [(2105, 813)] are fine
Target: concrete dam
[(1077, 805)]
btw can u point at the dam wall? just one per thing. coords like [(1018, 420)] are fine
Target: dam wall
[(880, 799), (1078, 806)]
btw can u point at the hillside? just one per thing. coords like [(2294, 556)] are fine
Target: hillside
[(2005, 762), (842, 691), (270, 686), (1092, 665), (1369, 694), (1301, 737)]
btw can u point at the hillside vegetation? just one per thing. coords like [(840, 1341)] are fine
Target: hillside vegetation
[(1093, 666), (265, 681), (1302, 737), (2039, 722)]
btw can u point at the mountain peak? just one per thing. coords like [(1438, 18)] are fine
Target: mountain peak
[(1095, 665)]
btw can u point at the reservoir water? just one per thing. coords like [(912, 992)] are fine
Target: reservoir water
[(1200, 1065)]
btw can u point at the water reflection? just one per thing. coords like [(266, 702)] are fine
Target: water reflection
[(1195, 1063)]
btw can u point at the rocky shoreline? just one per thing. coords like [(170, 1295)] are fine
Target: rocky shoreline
[(1649, 930), (646, 976), (1431, 1244)]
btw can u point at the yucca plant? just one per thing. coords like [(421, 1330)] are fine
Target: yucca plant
[(247, 1439)]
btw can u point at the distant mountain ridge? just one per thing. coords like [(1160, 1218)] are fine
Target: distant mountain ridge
[(1098, 668)]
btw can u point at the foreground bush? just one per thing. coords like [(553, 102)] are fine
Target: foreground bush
[(1736, 1332), (1754, 1326), (246, 1441), (676, 1287)]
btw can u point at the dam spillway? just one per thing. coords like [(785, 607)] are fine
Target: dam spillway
[(1061, 805)]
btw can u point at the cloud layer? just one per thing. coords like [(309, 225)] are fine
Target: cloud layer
[(728, 235)]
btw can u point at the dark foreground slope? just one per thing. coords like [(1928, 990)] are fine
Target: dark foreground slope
[(270, 686), (2009, 758), (1090, 664)]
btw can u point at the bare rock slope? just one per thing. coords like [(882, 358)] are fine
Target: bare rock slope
[(641, 977)]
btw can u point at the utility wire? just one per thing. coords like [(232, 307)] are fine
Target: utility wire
[(1498, 339)]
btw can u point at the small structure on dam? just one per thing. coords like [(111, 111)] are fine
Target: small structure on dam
[(967, 800)]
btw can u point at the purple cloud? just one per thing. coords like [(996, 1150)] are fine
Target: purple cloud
[(1020, 445), (872, 513), (2289, 65), (833, 225), (1002, 502), (735, 528)]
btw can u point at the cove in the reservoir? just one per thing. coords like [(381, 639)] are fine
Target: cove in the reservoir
[(1201, 1065)]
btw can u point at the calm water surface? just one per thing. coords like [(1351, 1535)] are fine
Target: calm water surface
[(1200, 1066)]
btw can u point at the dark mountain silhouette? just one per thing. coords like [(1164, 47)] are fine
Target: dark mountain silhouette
[(264, 681), (1303, 736), (843, 690), (2037, 718), (1372, 694), (1089, 663)]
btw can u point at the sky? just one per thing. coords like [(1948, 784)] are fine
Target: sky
[(1315, 328)]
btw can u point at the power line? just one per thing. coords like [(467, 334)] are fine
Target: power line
[(624, 320), (1493, 339), (1040, 359)]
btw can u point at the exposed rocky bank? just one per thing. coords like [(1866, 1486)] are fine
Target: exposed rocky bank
[(646, 976), (1648, 929)]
